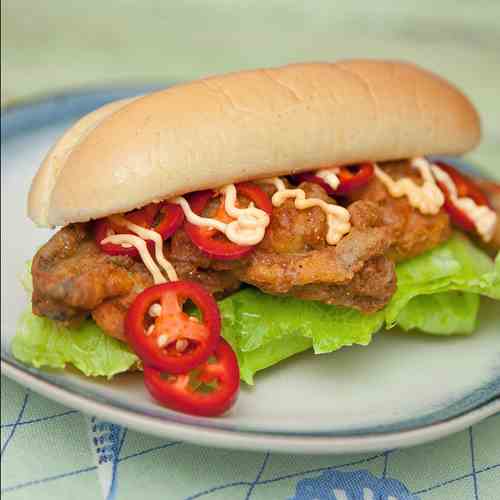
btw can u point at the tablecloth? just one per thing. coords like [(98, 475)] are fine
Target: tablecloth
[(52, 452)]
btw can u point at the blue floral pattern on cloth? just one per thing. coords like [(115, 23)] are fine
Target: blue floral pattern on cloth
[(357, 485)]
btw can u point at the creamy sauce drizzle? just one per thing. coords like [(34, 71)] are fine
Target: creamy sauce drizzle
[(329, 175), (139, 243), (482, 216), (250, 223), (248, 228), (337, 217), (427, 198)]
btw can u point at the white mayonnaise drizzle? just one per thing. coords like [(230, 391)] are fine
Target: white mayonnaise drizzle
[(329, 175), (482, 216), (139, 243), (337, 217), (248, 228), (427, 198)]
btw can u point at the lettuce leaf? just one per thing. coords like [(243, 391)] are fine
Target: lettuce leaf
[(264, 329), (42, 342), (259, 318), (438, 293), (447, 313), (454, 265)]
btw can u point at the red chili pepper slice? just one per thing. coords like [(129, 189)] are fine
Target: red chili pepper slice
[(164, 218), (210, 241), (254, 193), (209, 390), (351, 177), (168, 219), (466, 188), (105, 227), (143, 216), (171, 340)]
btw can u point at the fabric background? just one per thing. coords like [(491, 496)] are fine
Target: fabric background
[(52, 452)]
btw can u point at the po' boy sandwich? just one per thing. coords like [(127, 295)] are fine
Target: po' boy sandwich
[(214, 228)]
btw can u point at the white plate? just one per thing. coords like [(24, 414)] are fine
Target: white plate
[(401, 390)]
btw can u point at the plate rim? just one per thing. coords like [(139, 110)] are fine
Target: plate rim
[(250, 441), (14, 123)]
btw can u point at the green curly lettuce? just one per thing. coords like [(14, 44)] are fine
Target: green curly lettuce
[(456, 265), (438, 293), (43, 342), (447, 313)]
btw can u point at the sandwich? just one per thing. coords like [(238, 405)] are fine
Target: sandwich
[(215, 228)]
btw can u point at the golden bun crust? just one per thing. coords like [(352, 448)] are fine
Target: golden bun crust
[(244, 126)]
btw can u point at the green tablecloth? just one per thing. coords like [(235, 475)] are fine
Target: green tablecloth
[(49, 451), (54, 45)]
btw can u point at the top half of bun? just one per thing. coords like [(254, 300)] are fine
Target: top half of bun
[(247, 125)]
